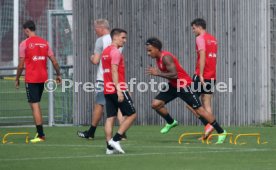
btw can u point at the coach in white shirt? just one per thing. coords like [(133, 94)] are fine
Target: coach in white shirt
[(101, 27)]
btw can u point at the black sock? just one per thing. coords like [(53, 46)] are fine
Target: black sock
[(117, 137), (39, 129), (92, 130), (217, 127), (168, 118), (108, 146), (203, 120)]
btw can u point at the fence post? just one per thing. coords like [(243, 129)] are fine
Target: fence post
[(50, 67), (50, 72)]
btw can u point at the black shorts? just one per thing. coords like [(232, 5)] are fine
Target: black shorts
[(198, 88), (34, 91), (185, 94), (112, 105)]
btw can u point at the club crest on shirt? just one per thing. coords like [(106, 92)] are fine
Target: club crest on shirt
[(31, 45)]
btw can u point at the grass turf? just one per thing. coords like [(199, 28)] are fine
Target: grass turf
[(145, 148), (15, 110)]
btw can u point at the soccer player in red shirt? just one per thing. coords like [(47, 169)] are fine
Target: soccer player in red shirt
[(205, 73), (179, 86), (115, 91), (101, 27), (34, 52)]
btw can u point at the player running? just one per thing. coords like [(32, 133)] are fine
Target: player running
[(179, 86)]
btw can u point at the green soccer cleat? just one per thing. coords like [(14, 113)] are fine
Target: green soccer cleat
[(167, 127), (222, 137), (37, 139)]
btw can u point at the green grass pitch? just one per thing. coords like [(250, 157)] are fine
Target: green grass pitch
[(145, 149), (15, 110)]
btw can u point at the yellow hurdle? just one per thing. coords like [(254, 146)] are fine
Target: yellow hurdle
[(5, 138), (227, 134), (257, 135), (13, 78), (180, 139)]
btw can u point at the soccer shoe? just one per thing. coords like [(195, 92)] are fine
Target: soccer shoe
[(167, 127), (111, 151), (124, 136), (84, 135), (116, 145), (208, 129), (222, 137), (37, 139)]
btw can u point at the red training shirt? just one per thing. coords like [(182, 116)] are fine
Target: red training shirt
[(35, 50), (207, 43), (112, 55), (182, 76)]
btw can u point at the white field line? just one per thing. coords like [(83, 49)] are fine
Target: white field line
[(127, 155), (23, 117), (31, 126), (13, 92), (146, 146), (128, 145)]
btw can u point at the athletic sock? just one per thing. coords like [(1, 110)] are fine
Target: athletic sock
[(108, 146), (117, 137), (92, 130), (203, 120), (168, 118), (39, 129), (217, 127)]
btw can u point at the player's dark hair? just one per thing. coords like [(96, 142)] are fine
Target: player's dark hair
[(155, 42), (199, 22), (117, 31), (29, 24)]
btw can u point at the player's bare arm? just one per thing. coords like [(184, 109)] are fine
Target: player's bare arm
[(169, 63), (115, 78), (20, 69), (56, 67), (202, 65), (95, 59)]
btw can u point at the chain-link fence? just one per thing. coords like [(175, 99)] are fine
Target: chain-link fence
[(14, 108), (28, 10)]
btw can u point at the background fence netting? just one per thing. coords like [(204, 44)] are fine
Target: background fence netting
[(14, 108)]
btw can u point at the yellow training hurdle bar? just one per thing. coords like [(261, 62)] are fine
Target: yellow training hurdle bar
[(180, 139), (230, 135), (5, 138), (257, 135)]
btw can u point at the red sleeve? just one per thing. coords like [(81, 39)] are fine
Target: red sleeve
[(22, 48), (200, 42), (115, 56)]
